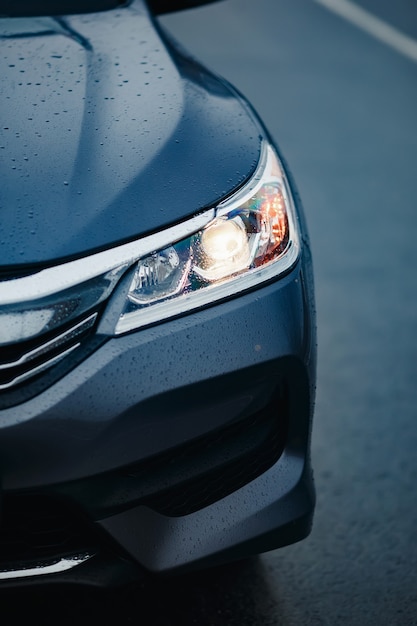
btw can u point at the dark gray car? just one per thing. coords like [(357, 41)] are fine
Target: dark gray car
[(157, 336)]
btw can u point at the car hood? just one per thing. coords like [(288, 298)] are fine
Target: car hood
[(107, 134)]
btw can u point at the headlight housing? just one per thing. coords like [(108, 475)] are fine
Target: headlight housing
[(248, 239)]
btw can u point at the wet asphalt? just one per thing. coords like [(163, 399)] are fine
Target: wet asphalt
[(343, 107)]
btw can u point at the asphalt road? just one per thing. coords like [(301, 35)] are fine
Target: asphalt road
[(342, 105)]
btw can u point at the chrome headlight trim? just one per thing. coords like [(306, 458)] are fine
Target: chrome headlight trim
[(28, 293), (55, 279), (234, 284), (33, 305)]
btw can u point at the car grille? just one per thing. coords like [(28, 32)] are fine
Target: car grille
[(21, 362), (34, 528), (46, 538)]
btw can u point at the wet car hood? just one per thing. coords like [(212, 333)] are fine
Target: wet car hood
[(108, 134)]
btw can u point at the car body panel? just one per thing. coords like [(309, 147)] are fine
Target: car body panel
[(87, 438), (126, 401), (245, 522), (91, 160), (184, 443)]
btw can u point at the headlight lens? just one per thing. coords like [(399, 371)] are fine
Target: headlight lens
[(252, 238)]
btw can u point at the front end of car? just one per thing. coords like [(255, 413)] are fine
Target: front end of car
[(157, 391)]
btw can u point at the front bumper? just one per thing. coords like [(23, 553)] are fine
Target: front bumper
[(123, 432)]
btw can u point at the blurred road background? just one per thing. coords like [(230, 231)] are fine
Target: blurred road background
[(337, 88)]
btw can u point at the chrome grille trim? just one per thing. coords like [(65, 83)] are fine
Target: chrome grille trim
[(30, 359), (53, 343), (37, 370)]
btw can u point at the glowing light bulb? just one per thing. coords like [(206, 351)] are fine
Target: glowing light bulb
[(224, 249)]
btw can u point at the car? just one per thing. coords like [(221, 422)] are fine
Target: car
[(157, 324)]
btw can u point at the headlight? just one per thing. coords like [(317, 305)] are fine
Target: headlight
[(250, 238)]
